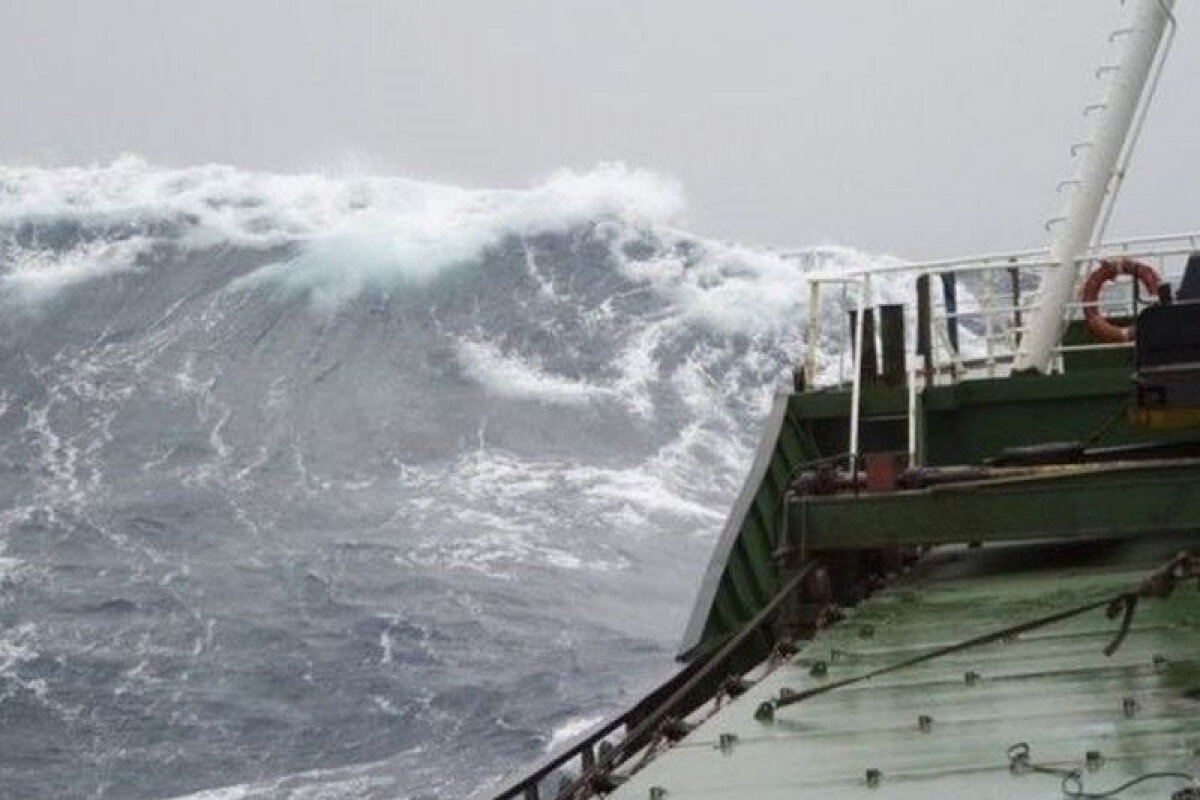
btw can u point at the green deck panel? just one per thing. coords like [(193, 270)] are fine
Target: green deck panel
[(1104, 502), (1052, 688)]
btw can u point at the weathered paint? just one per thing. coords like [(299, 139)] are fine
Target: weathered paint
[(973, 420), (1086, 502), (1052, 688), (741, 575), (963, 423)]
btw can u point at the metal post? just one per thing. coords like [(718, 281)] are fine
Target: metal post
[(842, 346), (870, 358), (814, 332), (1014, 275), (864, 287), (925, 327), (989, 306), (891, 336), (912, 418), (1094, 174), (950, 301)]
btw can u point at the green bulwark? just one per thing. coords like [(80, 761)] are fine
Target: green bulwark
[(959, 424), (741, 576)]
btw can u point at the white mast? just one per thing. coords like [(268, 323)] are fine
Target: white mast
[(1098, 174)]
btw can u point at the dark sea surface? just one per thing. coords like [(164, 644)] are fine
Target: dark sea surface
[(321, 487)]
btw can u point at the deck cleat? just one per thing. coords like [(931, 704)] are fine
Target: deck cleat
[(674, 729), (604, 782), (736, 686)]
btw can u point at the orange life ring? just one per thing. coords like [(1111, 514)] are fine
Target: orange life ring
[(1102, 328)]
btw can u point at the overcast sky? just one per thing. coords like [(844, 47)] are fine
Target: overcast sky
[(916, 127)]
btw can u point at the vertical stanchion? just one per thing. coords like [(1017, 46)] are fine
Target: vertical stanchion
[(856, 388)]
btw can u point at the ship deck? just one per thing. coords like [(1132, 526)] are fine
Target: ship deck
[(1052, 688)]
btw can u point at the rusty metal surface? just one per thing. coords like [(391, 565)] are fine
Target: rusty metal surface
[(1053, 689)]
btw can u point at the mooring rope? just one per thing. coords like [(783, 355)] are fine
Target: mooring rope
[(1158, 584), (1020, 762), (978, 641), (1072, 785)]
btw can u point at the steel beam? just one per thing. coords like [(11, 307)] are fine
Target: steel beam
[(1108, 501)]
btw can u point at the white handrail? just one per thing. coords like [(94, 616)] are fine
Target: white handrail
[(997, 321), (1015, 258)]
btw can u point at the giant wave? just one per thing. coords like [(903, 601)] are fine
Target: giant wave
[(356, 487)]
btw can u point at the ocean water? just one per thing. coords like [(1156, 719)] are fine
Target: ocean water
[(320, 487)]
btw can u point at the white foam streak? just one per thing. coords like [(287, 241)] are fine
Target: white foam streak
[(35, 274), (571, 729), (510, 376), (736, 289)]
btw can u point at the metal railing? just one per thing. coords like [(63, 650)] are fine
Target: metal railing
[(595, 757), (975, 327)]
